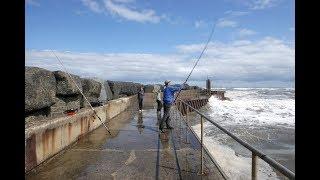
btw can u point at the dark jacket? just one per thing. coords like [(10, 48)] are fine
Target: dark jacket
[(140, 94)]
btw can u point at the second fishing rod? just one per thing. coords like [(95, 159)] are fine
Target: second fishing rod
[(85, 98)]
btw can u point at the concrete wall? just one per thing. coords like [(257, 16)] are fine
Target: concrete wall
[(47, 138)]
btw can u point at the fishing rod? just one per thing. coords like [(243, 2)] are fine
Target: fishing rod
[(205, 47), (95, 113)]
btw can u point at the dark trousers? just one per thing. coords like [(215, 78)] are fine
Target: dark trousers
[(140, 104), (166, 116), (159, 105)]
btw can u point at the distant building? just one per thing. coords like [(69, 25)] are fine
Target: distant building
[(208, 85)]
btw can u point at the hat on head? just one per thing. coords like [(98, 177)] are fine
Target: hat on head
[(167, 82)]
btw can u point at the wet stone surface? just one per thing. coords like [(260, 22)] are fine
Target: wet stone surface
[(135, 150)]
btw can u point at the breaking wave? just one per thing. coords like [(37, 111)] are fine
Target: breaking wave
[(255, 107), (252, 108)]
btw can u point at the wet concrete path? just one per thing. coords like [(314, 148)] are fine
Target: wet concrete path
[(135, 150)]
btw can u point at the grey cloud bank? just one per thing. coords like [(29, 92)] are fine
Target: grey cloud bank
[(268, 62)]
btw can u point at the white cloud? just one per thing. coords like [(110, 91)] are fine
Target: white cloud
[(241, 43), (292, 29), (120, 66), (235, 63), (123, 11), (268, 59), (231, 64), (236, 13), (263, 4), (200, 23), (92, 5), (226, 23), (257, 4), (246, 32)]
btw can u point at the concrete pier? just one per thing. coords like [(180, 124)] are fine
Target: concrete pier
[(135, 150), (45, 138)]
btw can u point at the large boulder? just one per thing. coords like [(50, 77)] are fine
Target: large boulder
[(91, 89), (186, 87), (123, 88), (65, 103), (65, 85), (106, 93), (148, 88), (115, 87), (40, 88), (130, 88), (108, 90), (195, 87), (103, 93)]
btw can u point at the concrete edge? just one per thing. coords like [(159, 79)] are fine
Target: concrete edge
[(49, 138)]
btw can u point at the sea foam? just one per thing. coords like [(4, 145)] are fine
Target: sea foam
[(249, 107), (254, 107), (235, 166)]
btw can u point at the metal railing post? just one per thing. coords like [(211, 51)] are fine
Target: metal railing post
[(254, 167), (187, 125), (175, 115), (201, 169)]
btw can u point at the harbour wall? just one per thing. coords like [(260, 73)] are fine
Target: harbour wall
[(46, 138)]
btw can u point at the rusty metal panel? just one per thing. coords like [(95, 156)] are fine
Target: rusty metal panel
[(30, 153)]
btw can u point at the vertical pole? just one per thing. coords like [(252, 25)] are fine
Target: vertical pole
[(175, 113), (180, 127), (201, 145), (187, 119), (181, 111), (181, 115), (254, 167)]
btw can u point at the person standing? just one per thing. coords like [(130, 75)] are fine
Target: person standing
[(157, 94), (168, 98), (140, 98)]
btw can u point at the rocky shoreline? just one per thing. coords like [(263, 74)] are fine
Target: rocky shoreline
[(52, 93)]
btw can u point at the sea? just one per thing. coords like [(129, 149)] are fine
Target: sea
[(263, 117)]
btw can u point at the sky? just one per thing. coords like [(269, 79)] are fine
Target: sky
[(253, 43)]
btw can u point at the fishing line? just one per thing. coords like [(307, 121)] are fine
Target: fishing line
[(95, 113), (205, 47)]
